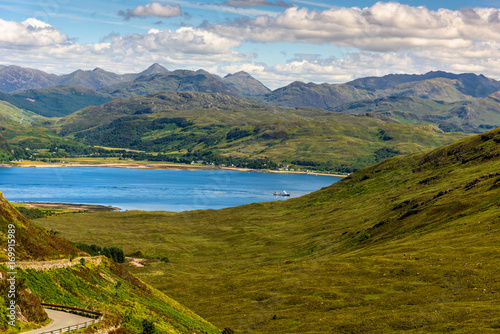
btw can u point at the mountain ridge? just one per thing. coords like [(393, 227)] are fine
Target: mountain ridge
[(217, 125)]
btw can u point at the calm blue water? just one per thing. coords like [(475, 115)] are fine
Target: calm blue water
[(148, 189)]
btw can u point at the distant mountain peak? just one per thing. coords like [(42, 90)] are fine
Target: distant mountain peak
[(202, 71), (238, 74), (153, 69), (245, 84), (156, 66)]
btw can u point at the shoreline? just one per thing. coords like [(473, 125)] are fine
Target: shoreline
[(68, 206), (161, 167)]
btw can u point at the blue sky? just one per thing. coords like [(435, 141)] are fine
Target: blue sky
[(277, 41)]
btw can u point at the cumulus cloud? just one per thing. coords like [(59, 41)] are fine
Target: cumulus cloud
[(154, 9), (383, 27), (255, 3), (310, 68), (381, 39), (185, 47), (31, 32), (183, 41)]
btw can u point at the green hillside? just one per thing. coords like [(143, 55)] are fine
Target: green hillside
[(207, 126), (474, 115), (22, 137), (9, 112), (107, 287), (33, 242), (408, 245), (56, 101)]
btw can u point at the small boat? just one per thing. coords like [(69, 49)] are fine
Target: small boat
[(283, 193)]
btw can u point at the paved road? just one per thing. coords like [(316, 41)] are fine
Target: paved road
[(60, 319)]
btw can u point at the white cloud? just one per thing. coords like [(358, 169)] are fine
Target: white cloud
[(31, 32), (255, 3), (186, 47), (382, 39), (154, 9), (386, 26), (183, 42)]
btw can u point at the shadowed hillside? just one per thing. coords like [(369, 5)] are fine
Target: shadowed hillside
[(33, 242), (107, 287)]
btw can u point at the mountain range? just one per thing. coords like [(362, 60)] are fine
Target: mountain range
[(159, 110), (211, 125), (453, 102), (15, 78)]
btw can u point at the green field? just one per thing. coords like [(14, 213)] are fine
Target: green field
[(405, 246)]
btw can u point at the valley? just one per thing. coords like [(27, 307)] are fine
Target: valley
[(403, 243), (183, 116), (250, 167)]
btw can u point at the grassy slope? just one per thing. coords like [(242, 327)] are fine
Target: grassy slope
[(34, 243), (113, 290), (19, 130), (10, 112), (107, 287), (407, 245), (472, 116), (59, 101), (16, 125), (282, 134)]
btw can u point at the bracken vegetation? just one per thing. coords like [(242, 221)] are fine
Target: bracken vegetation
[(109, 288)]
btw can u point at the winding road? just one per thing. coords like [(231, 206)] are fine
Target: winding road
[(59, 320)]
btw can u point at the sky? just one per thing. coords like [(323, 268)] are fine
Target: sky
[(276, 41)]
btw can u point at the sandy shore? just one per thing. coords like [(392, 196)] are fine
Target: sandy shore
[(69, 206), (162, 166)]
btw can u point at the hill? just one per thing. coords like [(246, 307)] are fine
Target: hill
[(407, 245), (176, 81), (14, 78), (245, 84), (33, 242), (438, 86), (56, 101), (107, 287), (474, 115), (9, 112), (211, 127), (23, 137)]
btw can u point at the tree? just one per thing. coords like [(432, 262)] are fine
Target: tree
[(148, 327)]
